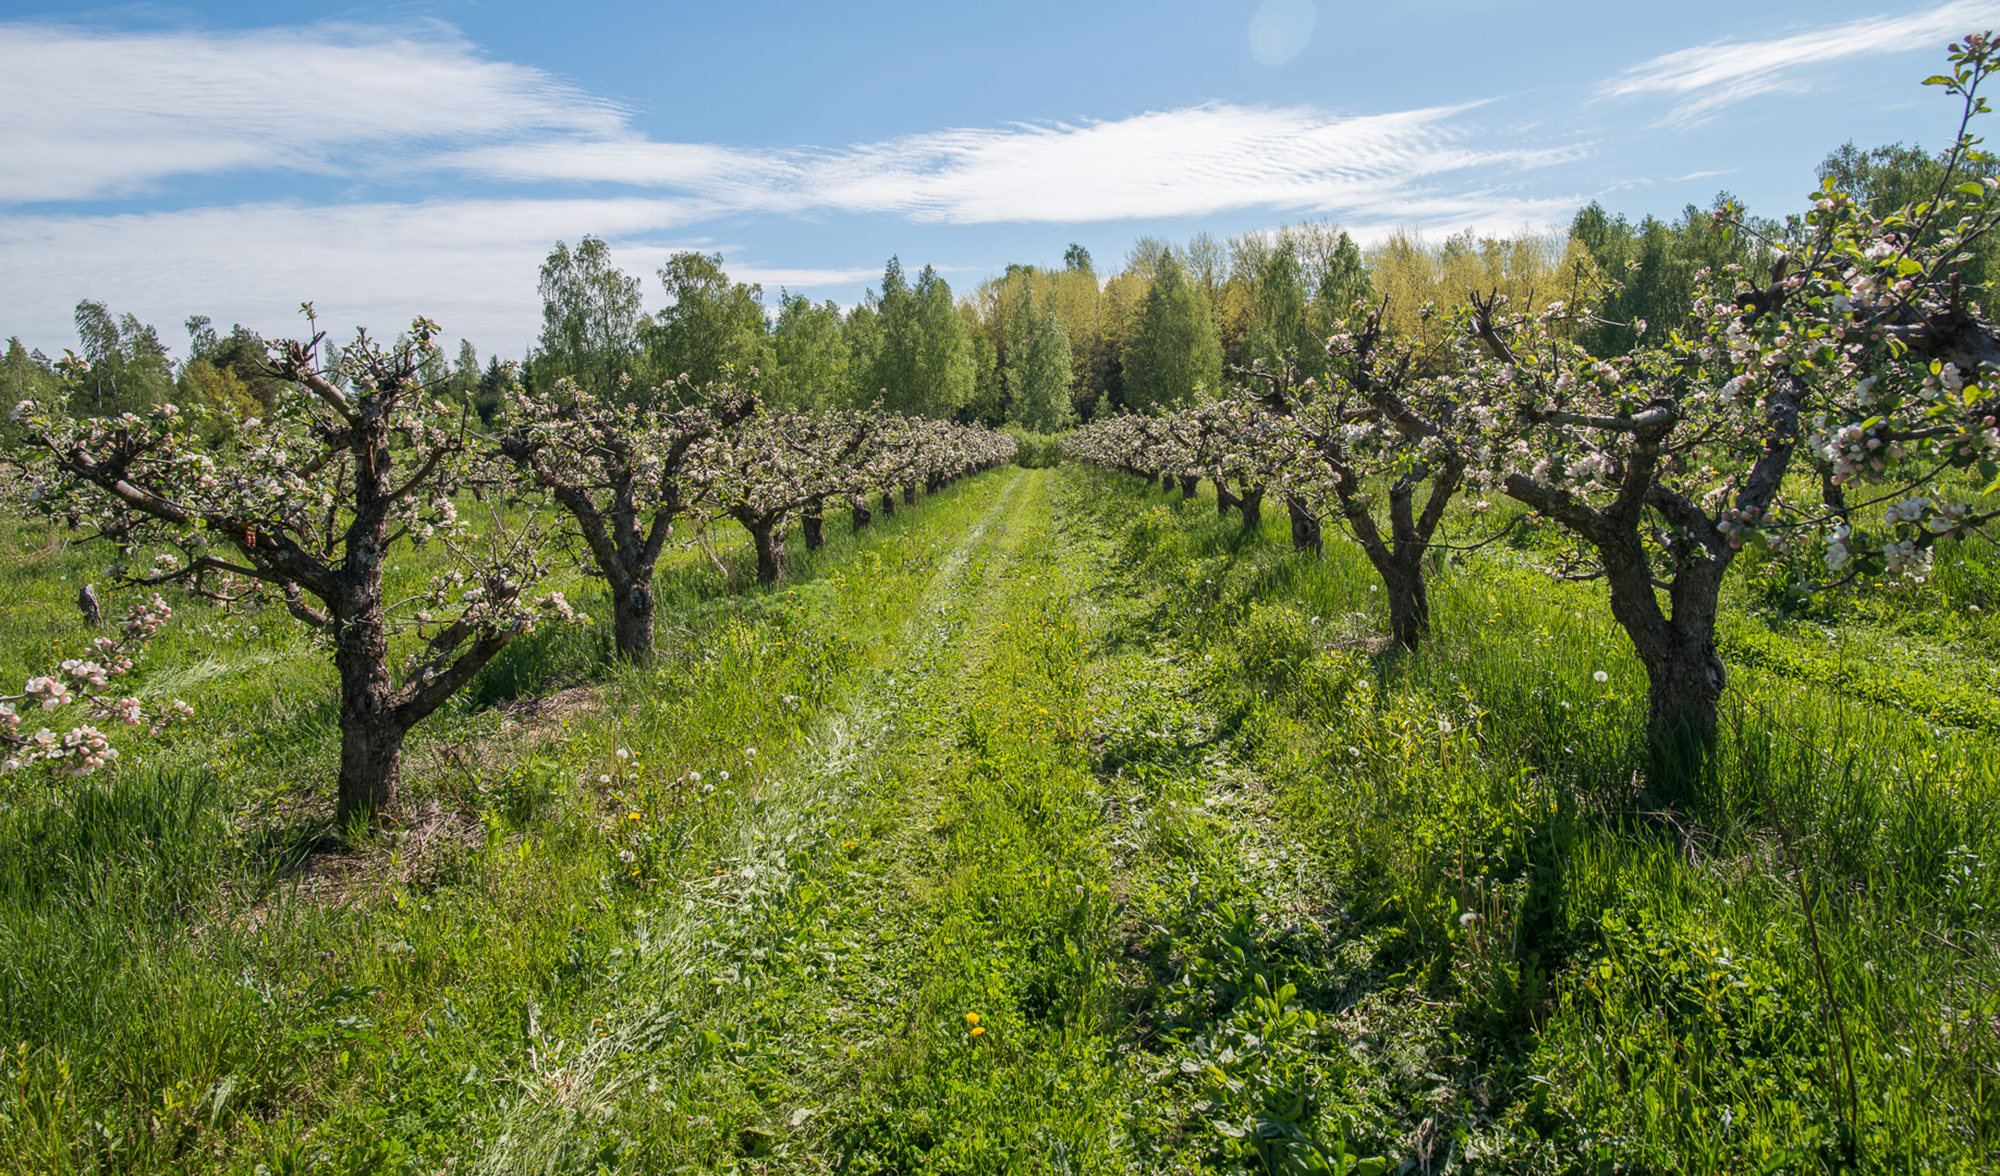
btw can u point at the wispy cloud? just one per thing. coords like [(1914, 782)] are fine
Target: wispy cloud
[(113, 114), (94, 115), (469, 263), (1191, 161), (1707, 78)]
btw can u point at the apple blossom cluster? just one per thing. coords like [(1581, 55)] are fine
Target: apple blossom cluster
[(83, 683)]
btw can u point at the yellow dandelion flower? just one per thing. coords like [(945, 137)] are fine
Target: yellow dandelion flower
[(972, 1019), (977, 1031)]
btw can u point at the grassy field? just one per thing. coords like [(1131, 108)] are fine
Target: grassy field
[(1050, 826)]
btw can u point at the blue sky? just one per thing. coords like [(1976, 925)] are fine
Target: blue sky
[(391, 160)]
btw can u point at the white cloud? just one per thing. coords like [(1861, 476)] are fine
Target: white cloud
[(111, 114), (1192, 161), (94, 115), (469, 263), (741, 178), (1709, 77)]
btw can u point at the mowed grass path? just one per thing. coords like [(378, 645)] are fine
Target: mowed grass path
[(906, 955)]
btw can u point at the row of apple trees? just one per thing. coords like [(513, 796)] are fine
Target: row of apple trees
[(360, 462), (1837, 399)]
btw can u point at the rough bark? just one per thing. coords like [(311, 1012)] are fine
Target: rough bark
[(1409, 605), (1189, 485), (888, 504), (1225, 501), (1251, 503), (812, 524), (909, 494), (1305, 526), (1677, 649), (371, 770), (863, 517), (632, 621), (1683, 685), (769, 540), (371, 738)]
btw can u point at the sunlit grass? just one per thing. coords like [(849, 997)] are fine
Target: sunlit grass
[(1227, 886)]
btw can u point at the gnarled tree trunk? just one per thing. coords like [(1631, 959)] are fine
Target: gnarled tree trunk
[(812, 524), (1251, 503), (888, 504), (863, 517), (1189, 486), (371, 734), (1224, 500), (1305, 526), (632, 620), (769, 539), (1684, 677), (909, 494), (1409, 601)]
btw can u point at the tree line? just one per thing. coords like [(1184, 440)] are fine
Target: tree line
[(1042, 347)]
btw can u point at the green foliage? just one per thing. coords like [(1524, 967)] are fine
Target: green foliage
[(1887, 178), (1035, 451), (242, 356), (923, 362), (590, 318), (23, 376), (862, 332), (1175, 356), (1037, 375), (810, 356), (129, 370), (1654, 268), (710, 324)]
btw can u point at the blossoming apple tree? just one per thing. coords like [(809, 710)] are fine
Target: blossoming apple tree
[(621, 472), (315, 505), (1855, 348)]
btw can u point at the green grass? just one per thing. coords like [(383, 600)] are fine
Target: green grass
[(1132, 788), (1635, 985)]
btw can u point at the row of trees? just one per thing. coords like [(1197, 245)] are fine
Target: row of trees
[(1827, 390), (362, 458)]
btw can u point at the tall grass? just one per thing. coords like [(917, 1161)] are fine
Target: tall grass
[(1035, 451), (188, 980), (1623, 978)]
